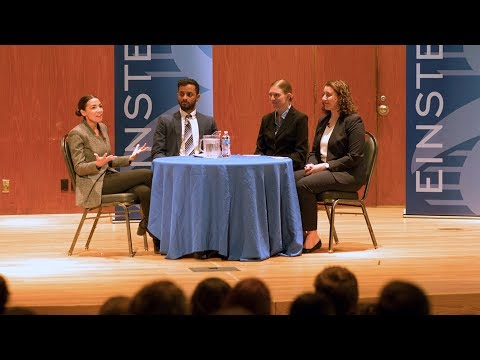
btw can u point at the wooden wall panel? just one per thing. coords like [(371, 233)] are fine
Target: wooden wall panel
[(241, 80), (392, 127), (357, 66), (41, 87)]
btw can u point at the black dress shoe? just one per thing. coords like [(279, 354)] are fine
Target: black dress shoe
[(200, 255), (211, 254), (156, 245), (316, 247)]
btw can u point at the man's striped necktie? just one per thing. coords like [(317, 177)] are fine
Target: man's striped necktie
[(188, 136)]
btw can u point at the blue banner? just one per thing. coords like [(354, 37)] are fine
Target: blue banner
[(146, 87), (443, 130)]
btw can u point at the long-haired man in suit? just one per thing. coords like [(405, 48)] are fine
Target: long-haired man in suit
[(169, 138), (283, 132)]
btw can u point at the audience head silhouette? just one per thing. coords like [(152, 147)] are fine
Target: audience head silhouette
[(233, 310), (209, 295), (402, 298), (251, 294), (4, 294), (312, 304), (342, 287), (115, 305), (19, 310), (159, 298)]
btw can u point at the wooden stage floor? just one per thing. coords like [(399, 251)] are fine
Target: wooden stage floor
[(442, 255)]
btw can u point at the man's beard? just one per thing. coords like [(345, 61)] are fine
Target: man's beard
[(187, 108)]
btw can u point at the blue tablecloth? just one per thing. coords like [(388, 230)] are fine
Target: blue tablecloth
[(244, 207)]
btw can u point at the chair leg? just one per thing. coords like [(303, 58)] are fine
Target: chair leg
[(367, 220), (145, 242), (99, 212), (79, 228), (327, 210), (129, 232), (332, 227)]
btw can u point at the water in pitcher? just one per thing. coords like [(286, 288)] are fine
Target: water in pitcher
[(211, 146)]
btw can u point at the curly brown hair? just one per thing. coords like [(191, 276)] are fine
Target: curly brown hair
[(345, 101)]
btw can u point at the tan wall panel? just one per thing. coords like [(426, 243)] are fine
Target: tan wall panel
[(241, 80), (41, 87), (392, 127)]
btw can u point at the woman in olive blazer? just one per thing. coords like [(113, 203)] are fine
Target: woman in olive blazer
[(94, 164)]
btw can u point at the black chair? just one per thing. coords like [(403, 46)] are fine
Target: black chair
[(330, 199), (124, 200)]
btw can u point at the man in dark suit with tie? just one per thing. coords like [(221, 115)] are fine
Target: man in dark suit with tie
[(169, 139)]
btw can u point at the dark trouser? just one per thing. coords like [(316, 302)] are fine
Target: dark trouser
[(307, 189), (138, 181)]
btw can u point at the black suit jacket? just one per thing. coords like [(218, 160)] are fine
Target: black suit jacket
[(291, 139), (345, 148), (168, 134)]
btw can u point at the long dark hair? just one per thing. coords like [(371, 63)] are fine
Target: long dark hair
[(82, 103)]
